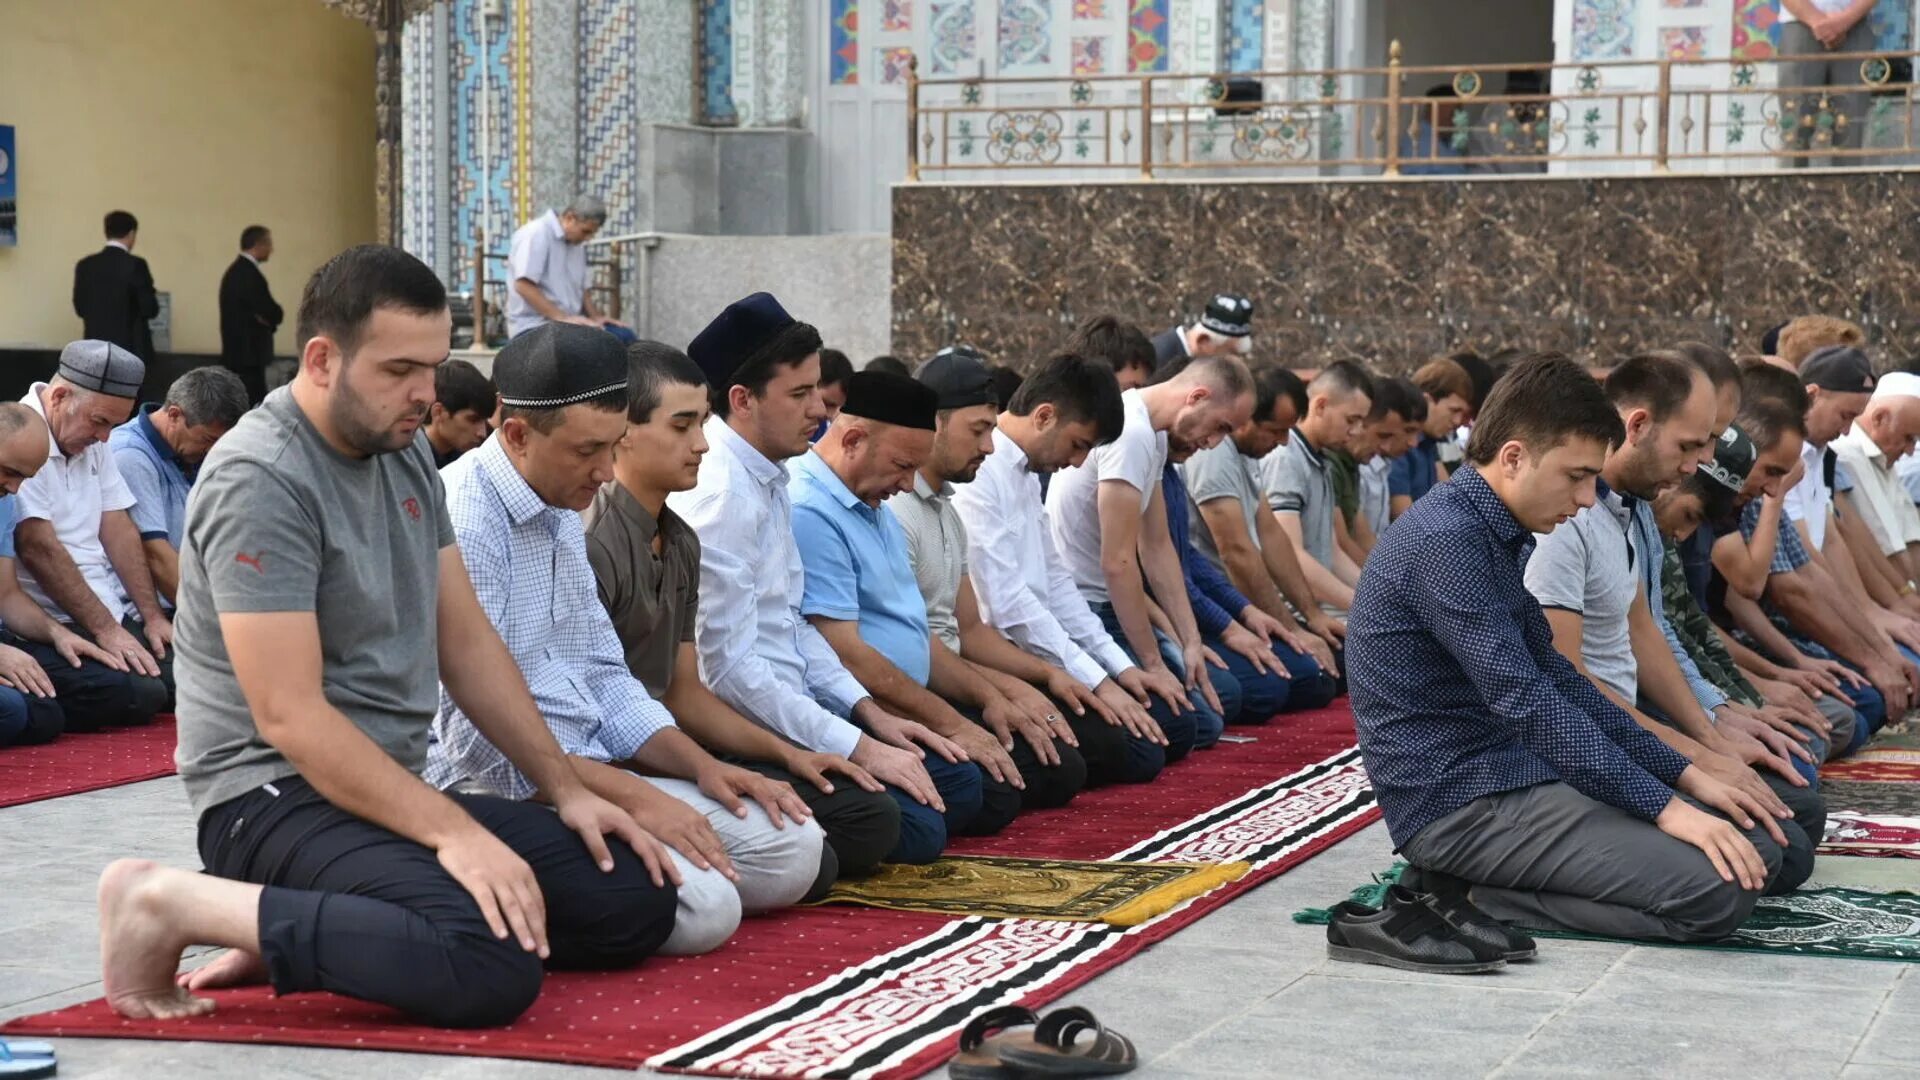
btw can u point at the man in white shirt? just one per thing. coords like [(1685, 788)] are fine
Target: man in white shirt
[(1069, 405), (756, 651), (1109, 522), (79, 550), (1813, 30), (1882, 435), (547, 271)]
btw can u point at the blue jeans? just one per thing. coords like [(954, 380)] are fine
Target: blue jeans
[(1181, 728), (1208, 724), (924, 830), (26, 720), (1309, 687)]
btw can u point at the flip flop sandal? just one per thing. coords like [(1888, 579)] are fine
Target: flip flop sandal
[(1057, 1050), (20, 1058), (983, 1039)]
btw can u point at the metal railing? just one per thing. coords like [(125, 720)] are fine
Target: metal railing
[(607, 273), (1602, 116)]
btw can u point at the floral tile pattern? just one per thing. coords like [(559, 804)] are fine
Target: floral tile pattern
[(1026, 35), (1147, 35), (1756, 29), (1085, 10), (952, 33), (896, 16), (892, 64), (843, 43), (1602, 29), (1683, 42), (1089, 56)]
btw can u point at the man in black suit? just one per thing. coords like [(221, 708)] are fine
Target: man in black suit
[(248, 315), (113, 290)]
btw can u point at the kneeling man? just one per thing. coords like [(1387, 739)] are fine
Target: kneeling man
[(1500, 768)]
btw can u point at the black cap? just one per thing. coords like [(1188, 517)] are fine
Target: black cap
[(559, 364), (891, 399), (1229, 315), (102, 367), (1733, 458), (1838, 368), (959, 375), (731, 339)]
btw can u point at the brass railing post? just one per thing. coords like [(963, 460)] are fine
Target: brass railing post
[(1146, 127), (913, 118), (480, 291), (1660, 117), (1393, 109)]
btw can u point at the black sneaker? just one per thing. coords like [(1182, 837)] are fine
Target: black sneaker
[(1448, 896), (1406, 933)]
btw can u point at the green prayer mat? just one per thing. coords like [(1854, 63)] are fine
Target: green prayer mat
[(1844, 922)]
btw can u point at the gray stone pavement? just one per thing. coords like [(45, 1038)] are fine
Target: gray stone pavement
[(1242, 993)]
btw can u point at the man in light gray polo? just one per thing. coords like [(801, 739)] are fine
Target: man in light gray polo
[(547, 271)]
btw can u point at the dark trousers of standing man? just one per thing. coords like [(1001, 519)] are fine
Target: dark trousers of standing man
[(1823, 118), (356, 910)]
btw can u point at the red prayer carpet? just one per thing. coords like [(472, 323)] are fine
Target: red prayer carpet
[(860, 992), (75, 763)]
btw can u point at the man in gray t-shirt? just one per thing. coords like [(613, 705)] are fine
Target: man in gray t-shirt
[(321, 597), (1586, 567), (1299, 488)]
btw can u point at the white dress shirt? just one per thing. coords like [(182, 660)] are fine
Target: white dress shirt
[(756, 651), (1811, 498), (1022, 585), (1878, 492), (74, 493)]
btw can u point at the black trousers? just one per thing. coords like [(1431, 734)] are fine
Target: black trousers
[(1048, 786), (354, 909), (93, 696), (862, 826)]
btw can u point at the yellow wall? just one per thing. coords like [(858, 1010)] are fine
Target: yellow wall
[(198, 116)]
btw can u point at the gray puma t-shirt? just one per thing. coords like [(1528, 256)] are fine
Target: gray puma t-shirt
[(281, 521)]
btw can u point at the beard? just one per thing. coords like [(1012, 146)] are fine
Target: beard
[(357, 422)]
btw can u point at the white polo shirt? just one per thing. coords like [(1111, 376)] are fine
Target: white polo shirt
[(73, 493), (1811, 498), (1878, 492), (541, 254)]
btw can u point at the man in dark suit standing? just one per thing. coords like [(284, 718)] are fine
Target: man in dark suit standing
[(248, 315), (113, 291)]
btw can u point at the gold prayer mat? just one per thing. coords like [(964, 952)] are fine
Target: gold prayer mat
[(997, 887)]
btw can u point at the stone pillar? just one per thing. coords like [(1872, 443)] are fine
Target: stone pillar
[(555, 105)]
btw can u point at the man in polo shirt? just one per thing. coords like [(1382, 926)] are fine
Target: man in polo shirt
[(547, 270), (159, 451), (1238, 531), (1074, 721), (861, 594), (1225, 328), (1298, 488), (647, 563), (757, 652), (1882, 435), (1590, 575), (78, 547), (1109, 522)]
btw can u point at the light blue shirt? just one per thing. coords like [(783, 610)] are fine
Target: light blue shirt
[(756, 652), (858, 567), (6, 526), (528, 562), (155, 475)]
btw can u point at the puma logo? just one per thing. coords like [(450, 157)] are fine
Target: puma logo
[(251, 560)]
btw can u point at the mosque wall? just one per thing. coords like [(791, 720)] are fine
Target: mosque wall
[(1395, 271)]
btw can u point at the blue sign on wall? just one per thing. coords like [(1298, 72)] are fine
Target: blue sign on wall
[(9, 189)]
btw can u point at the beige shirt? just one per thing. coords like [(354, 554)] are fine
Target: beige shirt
[(1878, 493), (937, 546)]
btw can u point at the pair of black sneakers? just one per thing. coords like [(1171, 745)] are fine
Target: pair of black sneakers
[(1425, 923)]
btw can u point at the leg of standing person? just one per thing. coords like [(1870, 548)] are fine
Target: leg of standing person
[(1800, 78), (1549, 858), (352, 908)]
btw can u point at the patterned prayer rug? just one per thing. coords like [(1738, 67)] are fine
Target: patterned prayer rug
[(1861, 872), (1849, 833), (1818, 922), (1000, 887)]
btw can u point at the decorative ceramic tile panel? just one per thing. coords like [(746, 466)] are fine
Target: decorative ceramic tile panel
[(892, 64), (1147, 35), (1312, 45), (420, 195), (1602, 29), (715, 83), (609, 121), (1683, 3), (1089, 10), (1683, 42), (1089, 56), (843, 43), (1892, 22), (1193, 36), (952, 44), (1025, 36), (747, 46), (896, 16), (1246, 39), (1756, 29), (483, 136)]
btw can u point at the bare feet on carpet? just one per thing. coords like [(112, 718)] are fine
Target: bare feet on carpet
[(139, 949), (235, 967)]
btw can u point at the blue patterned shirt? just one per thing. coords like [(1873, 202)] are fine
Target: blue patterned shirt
[(528, 562), (1216, 603), (1457, 690), (1789, 554)]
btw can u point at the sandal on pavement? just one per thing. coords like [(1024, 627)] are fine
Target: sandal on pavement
[(20, 1058), (983, 1039), (1058, 1050)]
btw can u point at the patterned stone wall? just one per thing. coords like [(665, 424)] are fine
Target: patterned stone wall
[(1395, 272)]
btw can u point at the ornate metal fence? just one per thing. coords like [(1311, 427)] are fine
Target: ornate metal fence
[(1605, 116)]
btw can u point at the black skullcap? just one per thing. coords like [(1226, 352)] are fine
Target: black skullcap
[(959, 375), (1229, 315), (559, 364), (1733, 458), (102, 367), (731, 339), (891, 399), (1840, 368)]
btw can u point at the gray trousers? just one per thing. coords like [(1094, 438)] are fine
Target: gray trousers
[(777, 865), (1842, 717), (1823, 119), (1549, 858)]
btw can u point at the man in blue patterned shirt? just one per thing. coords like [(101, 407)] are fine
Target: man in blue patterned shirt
[(742, 843), (1497, 764)]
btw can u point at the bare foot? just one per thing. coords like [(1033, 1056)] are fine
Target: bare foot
[(139, 951), (235, 967)]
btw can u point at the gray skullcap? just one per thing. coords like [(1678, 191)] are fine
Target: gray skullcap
[(559, 364), (102, 367)]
